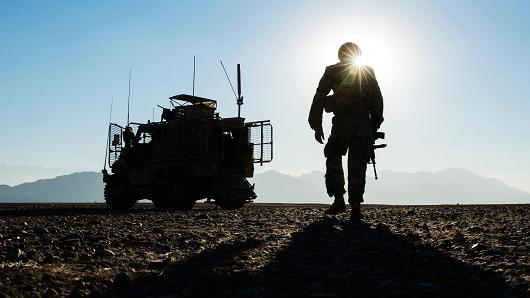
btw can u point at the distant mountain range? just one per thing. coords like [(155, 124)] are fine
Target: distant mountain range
[(450, 186), (14, 175), (76, 187)]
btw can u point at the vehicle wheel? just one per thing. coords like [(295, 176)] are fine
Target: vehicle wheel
[(117, 196), (233, 192), (231, 201)]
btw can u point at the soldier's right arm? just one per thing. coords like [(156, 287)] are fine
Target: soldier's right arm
[(376, 105), (317, 107)]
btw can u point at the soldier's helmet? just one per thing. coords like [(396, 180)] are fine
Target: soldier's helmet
[(348, 52)]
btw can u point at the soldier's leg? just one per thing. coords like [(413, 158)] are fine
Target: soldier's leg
[(336, 147), (358, 156), (335, 184), (334, 176)]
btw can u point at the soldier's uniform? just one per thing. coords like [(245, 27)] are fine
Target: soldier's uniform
[(357, 104)]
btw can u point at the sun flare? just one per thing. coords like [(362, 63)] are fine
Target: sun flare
[(359, 61)]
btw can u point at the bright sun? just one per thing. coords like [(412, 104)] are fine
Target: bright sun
[(360, 60), (393, 58), (375, 53)]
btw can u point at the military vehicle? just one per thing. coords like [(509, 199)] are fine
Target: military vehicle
[(189, 155)]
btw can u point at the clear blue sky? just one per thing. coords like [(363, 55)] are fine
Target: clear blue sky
[(455, 75)]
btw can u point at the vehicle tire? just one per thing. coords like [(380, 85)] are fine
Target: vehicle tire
[(233, 192), (230, 201), (118, 196)]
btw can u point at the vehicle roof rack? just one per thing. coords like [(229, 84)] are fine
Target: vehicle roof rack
[(194, 99)]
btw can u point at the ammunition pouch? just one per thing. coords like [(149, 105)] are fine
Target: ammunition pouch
[(345, 105)]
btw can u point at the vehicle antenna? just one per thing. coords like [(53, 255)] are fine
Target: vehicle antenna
[(239, 97), (193, 88), (108, 139), (228, 79), (129, 96)]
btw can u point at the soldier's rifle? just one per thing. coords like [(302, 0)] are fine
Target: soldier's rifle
[(377, 135)]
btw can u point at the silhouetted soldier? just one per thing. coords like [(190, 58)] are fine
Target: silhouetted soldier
[(357, 104), (129, 138)]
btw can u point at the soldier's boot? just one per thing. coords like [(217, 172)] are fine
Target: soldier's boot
[(337, 207), (356, 215)]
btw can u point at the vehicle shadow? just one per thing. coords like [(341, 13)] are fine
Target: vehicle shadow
[(328, 258), (65, 209), (45, 209), (211, 273)]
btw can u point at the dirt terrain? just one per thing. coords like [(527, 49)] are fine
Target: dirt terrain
[(264, 251)]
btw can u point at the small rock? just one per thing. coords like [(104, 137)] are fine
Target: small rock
[(458, 237), (51, 293), (15, 253), (80, 284), (477, 247), (103, 253)]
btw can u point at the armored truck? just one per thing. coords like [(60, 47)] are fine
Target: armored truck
[(189, 155)]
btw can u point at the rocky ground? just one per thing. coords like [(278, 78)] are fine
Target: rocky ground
[(264, 251)]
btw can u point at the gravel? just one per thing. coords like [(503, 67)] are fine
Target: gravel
[(264, 251)]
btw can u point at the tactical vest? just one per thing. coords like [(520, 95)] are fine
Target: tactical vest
[(351, 91)]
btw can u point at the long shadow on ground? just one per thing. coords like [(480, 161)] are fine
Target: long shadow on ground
[(328, 258), (38, 210)]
